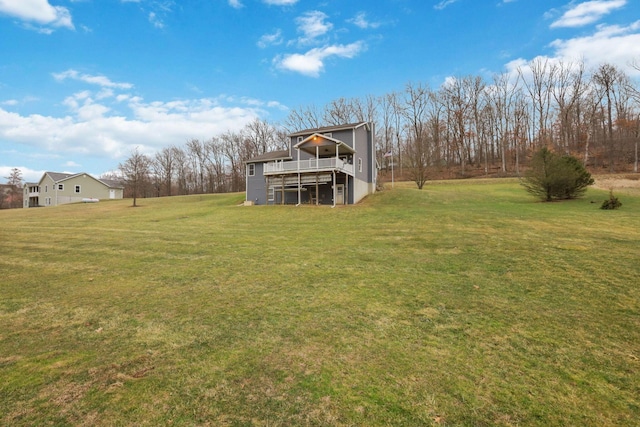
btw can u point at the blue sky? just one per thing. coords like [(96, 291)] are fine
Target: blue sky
[(83, 82)]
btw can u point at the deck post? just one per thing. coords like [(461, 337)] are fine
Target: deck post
[(334, 188), (346, 188)]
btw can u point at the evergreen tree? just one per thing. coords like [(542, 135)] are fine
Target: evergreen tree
[(554, 177)]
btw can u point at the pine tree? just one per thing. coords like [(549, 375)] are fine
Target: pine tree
[(554, 177)]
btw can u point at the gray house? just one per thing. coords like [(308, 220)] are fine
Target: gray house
[(332, 165), (55, 188)]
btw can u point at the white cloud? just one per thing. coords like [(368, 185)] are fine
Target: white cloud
[(155, 20), (236, 4), (28, 175), (95, 128), (312, 62), (156, 11), (72, 164), (87, 78), (587, 13), (443, 4), (273, 39), (312, 25), (361, 21), (610, 43), (281, 2), (38, 11)]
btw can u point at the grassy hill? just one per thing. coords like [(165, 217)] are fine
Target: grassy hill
[(466, 303)]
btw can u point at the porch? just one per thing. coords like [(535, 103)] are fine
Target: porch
[(309, 165), (312, 188)]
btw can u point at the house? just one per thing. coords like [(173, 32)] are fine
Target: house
[(332, 165), (56, 188)]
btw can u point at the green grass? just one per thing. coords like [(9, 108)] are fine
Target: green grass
[(466, 303)]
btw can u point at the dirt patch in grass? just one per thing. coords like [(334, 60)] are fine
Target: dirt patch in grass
[(627, 182)]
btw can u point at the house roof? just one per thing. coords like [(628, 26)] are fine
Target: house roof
[(112, 183), (328, 144), (60, 176), (326, 129), (272, 155)]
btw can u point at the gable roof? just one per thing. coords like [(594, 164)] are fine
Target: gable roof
[(326, 129), (316, 139), (60, 176), (111, 183)]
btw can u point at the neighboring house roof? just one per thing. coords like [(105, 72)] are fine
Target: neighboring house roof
[(329, 129), (111, 183), (273, 155), (59, 177)]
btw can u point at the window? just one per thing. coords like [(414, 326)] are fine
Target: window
[(251, 169), (300, 139), (61, 187), (271, 195), (46, 188), (77, 189), (47, 201), (359, 164)]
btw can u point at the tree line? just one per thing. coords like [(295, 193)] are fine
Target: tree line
[(469, 125), (210, 166)]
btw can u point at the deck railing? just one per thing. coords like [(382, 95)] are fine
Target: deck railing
[(308, 165)]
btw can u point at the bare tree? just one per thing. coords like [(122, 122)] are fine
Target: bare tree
[(397, 123), (366, 109), (164, 163), (385, 130), (262, 137), (338, 112), (607, 78), (14, 181), (416, 100), (568, 91), (501, 96), (196, 152), (135, 171), (461, 98), (301, 118), (235, 151), (540, 87), (182, 171)]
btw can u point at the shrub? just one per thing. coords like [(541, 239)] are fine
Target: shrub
[(611, 203), (554, 176)]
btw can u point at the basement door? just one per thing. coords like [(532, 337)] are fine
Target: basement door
[(340, 194)]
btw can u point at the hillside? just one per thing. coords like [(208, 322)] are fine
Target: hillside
[(466, 303)]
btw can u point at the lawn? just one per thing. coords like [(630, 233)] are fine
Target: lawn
[(466, 303)]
